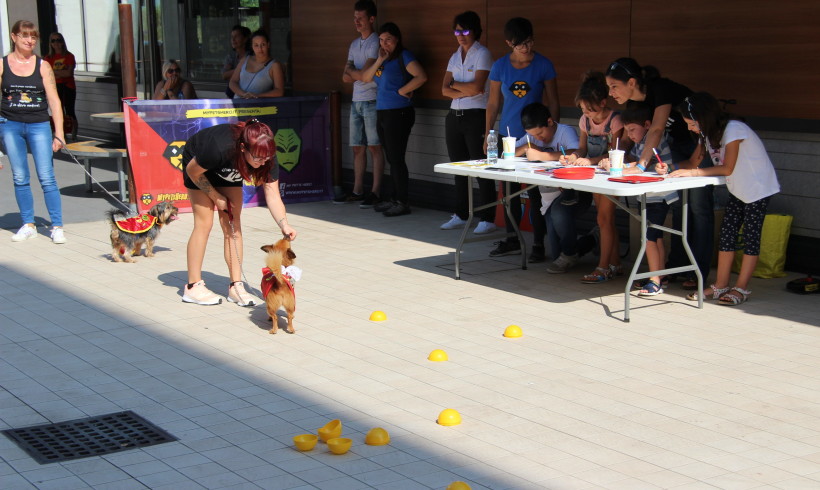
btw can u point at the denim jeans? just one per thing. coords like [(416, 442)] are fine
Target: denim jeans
[(38, 137), (560, 224)]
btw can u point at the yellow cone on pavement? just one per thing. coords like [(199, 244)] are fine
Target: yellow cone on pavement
[(513, 331), (449, 416), (378, 316), (438, 355)]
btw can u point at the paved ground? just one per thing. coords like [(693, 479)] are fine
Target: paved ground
[(678, 398)]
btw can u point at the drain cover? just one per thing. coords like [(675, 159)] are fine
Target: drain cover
[(92, 436)]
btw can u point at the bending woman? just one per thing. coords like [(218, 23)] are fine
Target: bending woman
[(215, 163), (29, 91)]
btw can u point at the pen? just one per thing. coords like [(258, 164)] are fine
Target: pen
[(655, 151), (528, 141), (562, 150)]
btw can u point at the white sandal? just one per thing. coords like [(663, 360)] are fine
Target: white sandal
[(716, 293), (729, 299)]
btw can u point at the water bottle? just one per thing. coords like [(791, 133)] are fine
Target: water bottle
[(492, 148)]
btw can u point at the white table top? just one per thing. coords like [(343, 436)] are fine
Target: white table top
[(524, 174)]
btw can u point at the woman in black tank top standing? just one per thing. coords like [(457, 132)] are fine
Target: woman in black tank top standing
[(29, 91)]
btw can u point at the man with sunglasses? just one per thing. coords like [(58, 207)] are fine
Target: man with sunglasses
[(362, 54)]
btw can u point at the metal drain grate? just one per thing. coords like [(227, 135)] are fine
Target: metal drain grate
[(92, 436)]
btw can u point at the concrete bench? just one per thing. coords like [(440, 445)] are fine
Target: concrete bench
[(85, 151)]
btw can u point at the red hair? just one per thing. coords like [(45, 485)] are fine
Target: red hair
[(257, 139)]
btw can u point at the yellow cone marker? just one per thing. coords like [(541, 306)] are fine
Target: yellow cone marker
[(377, 437), (438, 355), (513, 332), (378, 316), (458, 485), (448, 417)]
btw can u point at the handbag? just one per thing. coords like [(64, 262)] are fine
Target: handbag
[(774, 240)]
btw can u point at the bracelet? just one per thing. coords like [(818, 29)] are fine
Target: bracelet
[(641, 167)]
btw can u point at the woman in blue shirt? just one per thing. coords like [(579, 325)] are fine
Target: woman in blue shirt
[(397, 74)]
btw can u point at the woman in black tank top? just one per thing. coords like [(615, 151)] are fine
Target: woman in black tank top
[(29, 92)]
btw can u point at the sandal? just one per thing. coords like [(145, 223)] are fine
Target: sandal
[(716, 293), (600, 274), (641, 283), (651, 289), (616, 270), (732, 299)]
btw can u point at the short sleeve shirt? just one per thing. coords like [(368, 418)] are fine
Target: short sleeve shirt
[(662, 91), (478, 59), (360, 51), (519, 88), (61, 62), (753, 177), (214, 149), (390, 77), (564, 136)]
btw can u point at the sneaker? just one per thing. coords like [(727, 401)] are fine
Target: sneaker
[(484, 227), (506, 247), (454, 223), (348, 198), (570, 197), (200, 295), (24, 233), (537, 255), (57, 235), (238, 295), (562, 264), (370, 200), (383, 206), (398, 209)]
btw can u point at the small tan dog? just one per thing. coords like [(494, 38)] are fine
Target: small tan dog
[(278, 279), (129, 234)]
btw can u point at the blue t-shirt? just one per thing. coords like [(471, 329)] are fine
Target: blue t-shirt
[(520, 87), (390, 78)]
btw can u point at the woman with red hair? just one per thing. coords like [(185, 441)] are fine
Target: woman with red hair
[(215, 163)]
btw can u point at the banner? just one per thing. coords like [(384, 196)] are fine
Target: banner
[(156, 132)]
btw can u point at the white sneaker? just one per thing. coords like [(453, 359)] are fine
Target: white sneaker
[(24, 233), (562, 264), (200, 295), (454, 223), (484, 227), (57, 235), (238, 295)]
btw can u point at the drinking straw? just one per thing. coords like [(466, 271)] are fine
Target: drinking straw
[(508, 132), (617, 142)]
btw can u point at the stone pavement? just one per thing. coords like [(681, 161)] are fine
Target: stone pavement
[(678, 398)]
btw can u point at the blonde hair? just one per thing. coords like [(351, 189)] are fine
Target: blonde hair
[(169, 64)]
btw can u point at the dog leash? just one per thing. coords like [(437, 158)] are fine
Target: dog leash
[(124, 206), (229, 212)]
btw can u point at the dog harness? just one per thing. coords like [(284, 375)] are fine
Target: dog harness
[(268, 280), (136, 224)]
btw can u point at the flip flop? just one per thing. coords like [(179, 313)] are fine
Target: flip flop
[(651, 289)]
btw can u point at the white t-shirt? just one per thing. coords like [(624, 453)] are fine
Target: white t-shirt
[(478, 58), (753, 177)]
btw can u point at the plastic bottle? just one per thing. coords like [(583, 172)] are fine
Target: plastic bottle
[(492, 147)]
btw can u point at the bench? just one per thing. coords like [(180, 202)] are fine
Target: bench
[(85, 151)]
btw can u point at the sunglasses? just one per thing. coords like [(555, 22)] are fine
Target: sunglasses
[(52, 41), (616, 65), (463, 32), (174, 70)]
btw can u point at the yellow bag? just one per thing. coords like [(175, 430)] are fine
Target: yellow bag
[(774, 239)]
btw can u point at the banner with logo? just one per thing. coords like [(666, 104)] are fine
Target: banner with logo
[(156, 132)]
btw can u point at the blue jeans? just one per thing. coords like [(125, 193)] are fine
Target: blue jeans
[(363, 131), (38, 137), (560, 221)]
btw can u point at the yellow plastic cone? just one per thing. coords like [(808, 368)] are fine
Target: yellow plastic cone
[(513, 332), (378, 316), (438, 355), (448, 417)]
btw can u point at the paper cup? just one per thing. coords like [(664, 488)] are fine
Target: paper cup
[(616, 163), (509, 146)]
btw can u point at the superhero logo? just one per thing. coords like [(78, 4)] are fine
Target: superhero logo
[(379, 71), (520, 89), (173, 153), (147, 199)]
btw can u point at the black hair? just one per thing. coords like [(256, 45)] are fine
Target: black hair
[(392, 29), (593, 89), (367, 6), (469, 20), (535, 115), (517, 30), (704, 108), (246, 33), (637, 113), (261, 33), (625, 68)]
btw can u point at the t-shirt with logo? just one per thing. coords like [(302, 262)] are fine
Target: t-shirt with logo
[(390, 77), (24, 98), (214, 149), (520, 87), (61, 62)]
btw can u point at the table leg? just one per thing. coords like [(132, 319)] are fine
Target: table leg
[(87, 164), (466, 227), (638, 259), (685, 239), (506, 201), (121, 177)]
